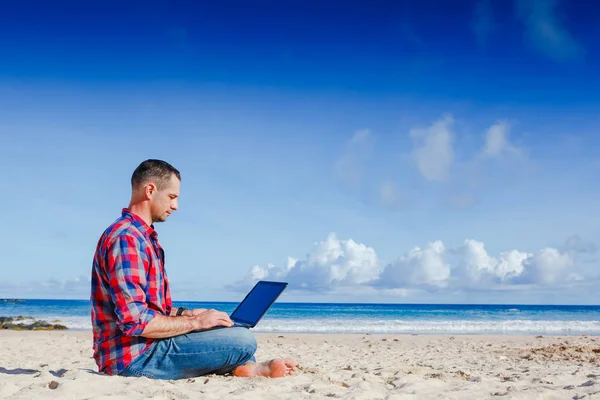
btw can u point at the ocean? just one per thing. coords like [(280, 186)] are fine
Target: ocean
[(365, 318)]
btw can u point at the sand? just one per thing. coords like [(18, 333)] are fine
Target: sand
[(331, 366)]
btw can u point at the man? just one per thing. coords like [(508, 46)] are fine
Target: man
[(136, 330)]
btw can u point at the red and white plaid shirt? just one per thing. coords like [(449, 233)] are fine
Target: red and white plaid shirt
[(129, 287)]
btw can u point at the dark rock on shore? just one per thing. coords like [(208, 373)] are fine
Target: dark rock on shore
[(11, 323)]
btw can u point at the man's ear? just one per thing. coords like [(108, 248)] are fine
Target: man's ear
[(150, 190)]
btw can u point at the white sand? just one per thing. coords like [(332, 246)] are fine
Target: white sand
[(339, 366)]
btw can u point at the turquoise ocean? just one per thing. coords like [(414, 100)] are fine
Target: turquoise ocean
[(365, 318)]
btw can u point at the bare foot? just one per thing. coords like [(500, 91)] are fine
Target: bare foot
[(271, 369)]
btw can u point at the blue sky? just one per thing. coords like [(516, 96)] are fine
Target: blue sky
[(400, 151)]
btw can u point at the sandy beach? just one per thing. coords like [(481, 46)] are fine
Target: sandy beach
[(38, 365)]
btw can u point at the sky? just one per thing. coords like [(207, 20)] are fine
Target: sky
[(382, 151)]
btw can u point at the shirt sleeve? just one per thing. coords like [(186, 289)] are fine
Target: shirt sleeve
[(128, 284)]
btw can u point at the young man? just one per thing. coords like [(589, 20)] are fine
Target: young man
[(136, 330)]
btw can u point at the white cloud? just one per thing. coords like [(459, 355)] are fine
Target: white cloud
[(497, 142), (544, 31), (549, 266), (350, 166), (433, 153), (482, 24), (511, 265), (420, 267), (474, 264), (332, 263), (343, 266)]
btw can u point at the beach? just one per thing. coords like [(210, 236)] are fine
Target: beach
[(59, 364)]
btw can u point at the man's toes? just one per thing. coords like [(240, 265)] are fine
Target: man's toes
[(278, 369)]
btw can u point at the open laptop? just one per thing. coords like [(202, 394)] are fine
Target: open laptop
[(256, 303)]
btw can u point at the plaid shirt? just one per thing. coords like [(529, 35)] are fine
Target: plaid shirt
[(129, 287)]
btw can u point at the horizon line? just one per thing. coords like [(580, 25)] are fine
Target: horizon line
[(18, 300)]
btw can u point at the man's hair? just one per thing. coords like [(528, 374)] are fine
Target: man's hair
[(156, 171)]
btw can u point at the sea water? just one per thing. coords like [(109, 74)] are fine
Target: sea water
[(365, 318)]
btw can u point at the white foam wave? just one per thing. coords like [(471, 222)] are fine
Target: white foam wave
[(75, 322), (334, 325), (431, 326)]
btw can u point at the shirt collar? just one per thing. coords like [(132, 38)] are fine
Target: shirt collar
[(139, 223)]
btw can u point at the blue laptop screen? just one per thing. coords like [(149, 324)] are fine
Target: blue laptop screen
[(257, 302)]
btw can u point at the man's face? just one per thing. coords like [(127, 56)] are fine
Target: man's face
[(164, 201)]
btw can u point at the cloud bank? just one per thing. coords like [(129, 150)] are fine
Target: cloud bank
[(338, 266)]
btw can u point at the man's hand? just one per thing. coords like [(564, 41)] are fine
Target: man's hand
[(193, 313), (207, 319)]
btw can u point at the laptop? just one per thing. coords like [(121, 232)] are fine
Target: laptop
[(256, 303)]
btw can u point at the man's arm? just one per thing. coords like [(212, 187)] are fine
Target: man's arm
[(167, 326), (127, 280)]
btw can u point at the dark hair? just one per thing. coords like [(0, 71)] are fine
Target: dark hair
[(153, 170)]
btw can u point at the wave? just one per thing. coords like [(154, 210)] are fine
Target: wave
[(362, 325), (437, 326)]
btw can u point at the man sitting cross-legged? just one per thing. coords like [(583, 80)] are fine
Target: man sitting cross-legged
[(136, 330)]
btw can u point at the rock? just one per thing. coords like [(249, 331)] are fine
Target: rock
[(191, 380), (206, 381), (9, 323), (53, 385), (569, 387), (588, 383)]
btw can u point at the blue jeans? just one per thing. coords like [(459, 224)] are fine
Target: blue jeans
[(216, 351)]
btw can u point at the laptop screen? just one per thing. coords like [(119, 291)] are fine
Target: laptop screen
[(258, 301)]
